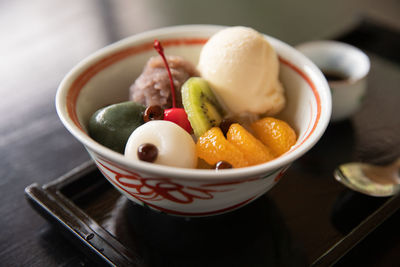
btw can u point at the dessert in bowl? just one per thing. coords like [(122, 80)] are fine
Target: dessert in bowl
[(105, 77)]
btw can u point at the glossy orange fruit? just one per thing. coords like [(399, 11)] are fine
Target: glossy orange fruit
[(212, 147), (253, 149), (276, 134)]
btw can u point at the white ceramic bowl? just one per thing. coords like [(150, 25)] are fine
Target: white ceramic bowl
[(104, 78)]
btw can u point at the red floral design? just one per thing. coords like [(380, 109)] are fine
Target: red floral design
[(156, 189), (150, 190)]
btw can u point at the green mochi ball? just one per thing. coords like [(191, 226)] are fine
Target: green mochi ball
[(111, 126)]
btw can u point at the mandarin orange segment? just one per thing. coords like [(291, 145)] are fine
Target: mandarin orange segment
[(253, 149), (275, 134), (212, 147)]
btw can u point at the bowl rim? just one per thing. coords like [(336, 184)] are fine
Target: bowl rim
[(312, 72)]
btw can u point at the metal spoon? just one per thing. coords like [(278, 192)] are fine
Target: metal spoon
[(379, 181)]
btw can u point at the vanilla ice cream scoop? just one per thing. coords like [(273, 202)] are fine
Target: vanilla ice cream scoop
[(242, 68)]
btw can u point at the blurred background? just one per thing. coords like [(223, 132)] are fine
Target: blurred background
[(38, 34), (43, 39)]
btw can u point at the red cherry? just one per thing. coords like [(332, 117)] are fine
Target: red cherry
[(178, 116)]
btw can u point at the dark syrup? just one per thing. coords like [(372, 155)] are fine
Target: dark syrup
[(334, 76)]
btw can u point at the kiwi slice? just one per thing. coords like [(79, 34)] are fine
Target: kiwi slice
[(201, 105)]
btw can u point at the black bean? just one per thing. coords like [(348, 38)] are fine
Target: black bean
[(147, 152), (153, 113), (223, 165)]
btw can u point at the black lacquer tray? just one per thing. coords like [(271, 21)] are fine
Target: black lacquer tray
[(306, 219)]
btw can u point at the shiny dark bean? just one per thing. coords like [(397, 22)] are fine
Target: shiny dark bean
[(223, 165), (153, 113), (147, 152)]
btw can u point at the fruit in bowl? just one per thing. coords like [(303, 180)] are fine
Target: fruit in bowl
[(300, 107)]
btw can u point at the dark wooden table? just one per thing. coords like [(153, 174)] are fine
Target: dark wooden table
[(43, 39)]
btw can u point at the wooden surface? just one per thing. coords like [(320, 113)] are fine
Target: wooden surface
[(42, 40)]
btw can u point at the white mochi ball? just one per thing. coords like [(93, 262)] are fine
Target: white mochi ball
[(175, 146)]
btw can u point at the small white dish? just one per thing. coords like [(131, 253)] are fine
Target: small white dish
[(346, 68)]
